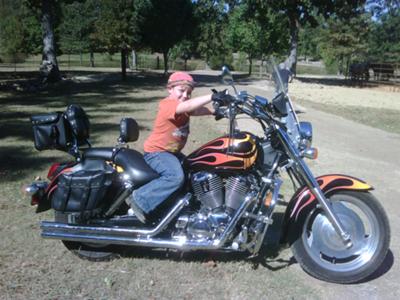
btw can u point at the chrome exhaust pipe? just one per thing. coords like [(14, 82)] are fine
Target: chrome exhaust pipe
[(115, 231), (179, 244), (137, 237)]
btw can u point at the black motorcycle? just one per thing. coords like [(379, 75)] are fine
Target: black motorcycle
[(336, 228)]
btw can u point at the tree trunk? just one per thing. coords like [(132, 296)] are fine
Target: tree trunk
[(250, 65), (134, 63), (49, 68), (291, 61), (123, 63), (91, 59), (165, 55)]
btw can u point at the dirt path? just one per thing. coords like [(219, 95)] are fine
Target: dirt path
[(373, 155)]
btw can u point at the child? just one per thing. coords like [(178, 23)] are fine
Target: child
[(163, 146)]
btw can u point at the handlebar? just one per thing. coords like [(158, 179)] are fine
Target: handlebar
[(256, 107)]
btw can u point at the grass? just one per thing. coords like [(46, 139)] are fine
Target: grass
[(315, 70), (383, 118), (32, 267)]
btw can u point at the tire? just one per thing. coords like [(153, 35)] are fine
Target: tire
[(321, 252), (92, 252)]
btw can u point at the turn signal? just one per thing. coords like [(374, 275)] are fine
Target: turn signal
[(268, 200), (310, 153)]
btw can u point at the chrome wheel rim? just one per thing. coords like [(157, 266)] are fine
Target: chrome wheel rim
[(326, 248)]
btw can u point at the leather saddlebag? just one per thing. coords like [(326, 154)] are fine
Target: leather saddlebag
[(82, 192), (50, 131)]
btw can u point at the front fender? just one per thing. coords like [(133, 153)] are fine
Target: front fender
[(303, 202)]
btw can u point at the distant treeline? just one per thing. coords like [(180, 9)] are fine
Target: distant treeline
[(337, 32)]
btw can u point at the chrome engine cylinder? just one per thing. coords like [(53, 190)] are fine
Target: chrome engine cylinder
[(236, 189), (208, 189)]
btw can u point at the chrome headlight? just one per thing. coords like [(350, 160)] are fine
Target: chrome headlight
[(305, 135)]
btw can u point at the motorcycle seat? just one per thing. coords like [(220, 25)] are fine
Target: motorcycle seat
[(135, 166), (130, 160)]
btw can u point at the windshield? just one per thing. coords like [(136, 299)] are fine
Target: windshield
[(278, 76)]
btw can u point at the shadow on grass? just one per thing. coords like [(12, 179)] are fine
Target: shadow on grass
[(17, 162), (104, 100)]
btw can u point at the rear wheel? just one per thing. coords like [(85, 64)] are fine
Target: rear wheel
[(321, 252), (92, 252)]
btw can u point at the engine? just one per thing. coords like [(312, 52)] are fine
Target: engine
[(218, 199)]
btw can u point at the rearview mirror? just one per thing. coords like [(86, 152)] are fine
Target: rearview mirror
[(226, 76)]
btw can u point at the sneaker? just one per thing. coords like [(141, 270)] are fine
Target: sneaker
[(136, 210)]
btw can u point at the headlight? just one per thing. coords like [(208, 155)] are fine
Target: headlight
[(305, 135), (310, 153)]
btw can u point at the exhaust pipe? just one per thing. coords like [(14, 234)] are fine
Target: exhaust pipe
[(97, 230), (139, 237)]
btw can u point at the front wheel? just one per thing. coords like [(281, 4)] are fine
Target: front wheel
[(321, 252)]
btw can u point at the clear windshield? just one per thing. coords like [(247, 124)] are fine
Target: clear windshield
[(278, 76)]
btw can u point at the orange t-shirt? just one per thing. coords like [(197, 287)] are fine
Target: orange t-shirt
[(170, 130)]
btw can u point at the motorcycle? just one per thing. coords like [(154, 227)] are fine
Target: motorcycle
[(336, 228)]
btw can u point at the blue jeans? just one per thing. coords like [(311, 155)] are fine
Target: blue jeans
[(168, 166)]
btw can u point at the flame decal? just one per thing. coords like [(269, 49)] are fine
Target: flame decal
[(215, 159), (327, 183), (239, 152)]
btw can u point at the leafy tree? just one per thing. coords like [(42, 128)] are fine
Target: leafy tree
[(385, 38), (183, 50), (342, 42), (301, 12), (166, 23), (19, 30), (211, 17), (118, 26), (11, 30), (256, 31), (77, 28), (308, 42), (245, 34)]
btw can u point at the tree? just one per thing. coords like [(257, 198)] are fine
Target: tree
[(211, 18), (245, 34), (342, 42), (301, 12), (47, 11), (384, 40), (183, 50), (166, 23), (77, 27), (308, 42), (256, 32), (19, 30), (118, 26), (11, 30)]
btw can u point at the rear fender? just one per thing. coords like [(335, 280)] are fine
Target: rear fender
[(303, 202)]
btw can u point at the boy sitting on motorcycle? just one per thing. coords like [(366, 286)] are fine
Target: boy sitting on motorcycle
[(162, 148)]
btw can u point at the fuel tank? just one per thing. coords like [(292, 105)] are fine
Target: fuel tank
[(224, 154)]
